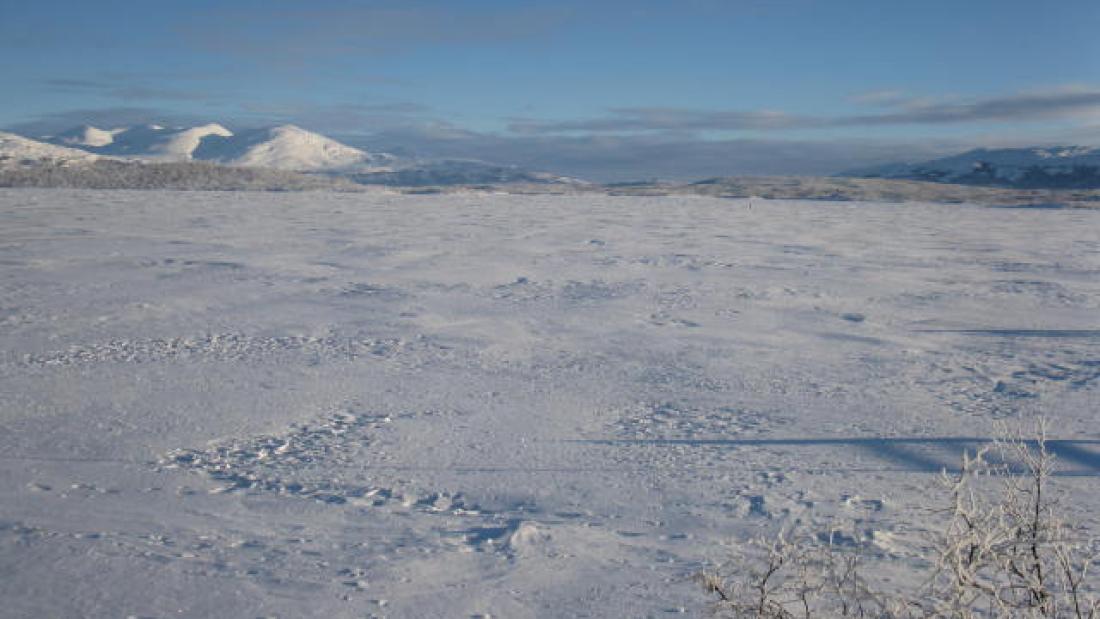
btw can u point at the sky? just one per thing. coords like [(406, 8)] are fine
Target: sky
[(604, 90)]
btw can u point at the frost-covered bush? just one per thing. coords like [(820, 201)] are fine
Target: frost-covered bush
[(1004, 551), (195, 176)]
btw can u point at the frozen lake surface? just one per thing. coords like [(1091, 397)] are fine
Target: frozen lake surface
[(349, 405)]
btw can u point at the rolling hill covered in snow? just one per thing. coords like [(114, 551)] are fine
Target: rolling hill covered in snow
[(18, 150), (285, 147), (289, 148), (1071, 167)]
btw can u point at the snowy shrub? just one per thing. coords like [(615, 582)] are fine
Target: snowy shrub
[(192, 175), (1004, 551)]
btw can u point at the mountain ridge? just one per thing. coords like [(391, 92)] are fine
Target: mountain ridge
[(1072, 167), (18, 150), (282, 147)]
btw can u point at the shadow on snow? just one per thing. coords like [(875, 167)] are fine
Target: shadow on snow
[(929, 454)]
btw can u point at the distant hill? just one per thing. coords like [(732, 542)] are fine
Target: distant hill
[(1061, 167), (16, 150), (113, 159), (836, 189), (458, 172), (288, 147), (285, 147)]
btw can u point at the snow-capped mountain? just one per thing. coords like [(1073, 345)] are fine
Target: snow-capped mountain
[(288, 147), (18, 150), (175, 145), (142, 141), (1052, 167), (285, 147), (86, 136)]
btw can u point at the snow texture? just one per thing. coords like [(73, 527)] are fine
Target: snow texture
[(349, 405)]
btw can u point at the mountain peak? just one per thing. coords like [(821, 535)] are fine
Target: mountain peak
[(286, 146), (289, 128), (291, 147), (86, 135), (183, 143), (16, 148)]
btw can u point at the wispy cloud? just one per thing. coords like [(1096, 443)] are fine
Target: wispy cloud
[(665, 119), (1056, 104), (1060, 103)]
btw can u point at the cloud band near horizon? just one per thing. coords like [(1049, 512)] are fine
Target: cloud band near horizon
[(1057, 104)]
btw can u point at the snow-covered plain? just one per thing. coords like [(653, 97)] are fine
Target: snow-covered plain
[(248, 404)]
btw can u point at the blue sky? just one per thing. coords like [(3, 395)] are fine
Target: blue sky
[(618, 89)]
